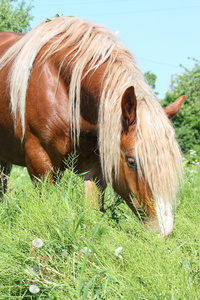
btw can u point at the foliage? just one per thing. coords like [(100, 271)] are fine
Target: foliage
[(81, 255), (187, 121), (14, 17), (151, 79)]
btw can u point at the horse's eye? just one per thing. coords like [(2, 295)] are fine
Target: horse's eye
[(131, 162)]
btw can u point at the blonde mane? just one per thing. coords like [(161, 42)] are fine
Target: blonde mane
[(157, 152)]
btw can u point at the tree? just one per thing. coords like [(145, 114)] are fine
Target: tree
[(151, 79), (187, 121), (14, 17)]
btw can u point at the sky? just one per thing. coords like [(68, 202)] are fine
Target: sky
[(161, 34)]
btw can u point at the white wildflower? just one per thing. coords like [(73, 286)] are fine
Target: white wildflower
[(35, 271), (34, 289), (193, 171), (86, 250), (38, 243), (118, 250)]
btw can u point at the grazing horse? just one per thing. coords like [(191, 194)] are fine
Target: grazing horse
[(69, 85)]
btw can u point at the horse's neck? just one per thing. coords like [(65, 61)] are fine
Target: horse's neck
[(90, 97), (90, 93)]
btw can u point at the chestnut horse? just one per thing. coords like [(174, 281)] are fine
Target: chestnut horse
[(69, 85)]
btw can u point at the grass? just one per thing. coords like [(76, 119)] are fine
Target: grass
[(78, 260)]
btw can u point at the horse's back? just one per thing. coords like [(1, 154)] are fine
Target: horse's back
[(7, 39)]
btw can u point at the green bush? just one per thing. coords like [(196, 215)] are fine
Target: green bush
[(15, 17), (187, 121)]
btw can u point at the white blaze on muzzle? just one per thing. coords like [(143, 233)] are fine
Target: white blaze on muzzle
[(165, 216)]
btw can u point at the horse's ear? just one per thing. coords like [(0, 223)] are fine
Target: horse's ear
[(128, 106), (173, 108)]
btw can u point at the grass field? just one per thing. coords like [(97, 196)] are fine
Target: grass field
[(87, 255)]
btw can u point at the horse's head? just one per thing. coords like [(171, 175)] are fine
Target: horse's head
[(132, 184)]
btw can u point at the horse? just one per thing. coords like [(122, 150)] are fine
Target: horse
[(69, 85)]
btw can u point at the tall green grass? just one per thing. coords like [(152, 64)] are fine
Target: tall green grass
[(78, 260)]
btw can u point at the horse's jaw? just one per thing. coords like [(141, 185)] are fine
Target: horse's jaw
[(165, 216)]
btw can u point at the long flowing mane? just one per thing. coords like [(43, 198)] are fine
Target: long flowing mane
[(157, 152)]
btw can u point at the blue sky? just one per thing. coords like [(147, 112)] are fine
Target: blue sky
[(160, 34)]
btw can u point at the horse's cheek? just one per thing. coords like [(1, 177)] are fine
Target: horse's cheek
[(127, 184)]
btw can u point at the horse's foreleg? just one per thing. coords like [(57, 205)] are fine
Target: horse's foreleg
[(38, 161), (95, 194), (5, 169)]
